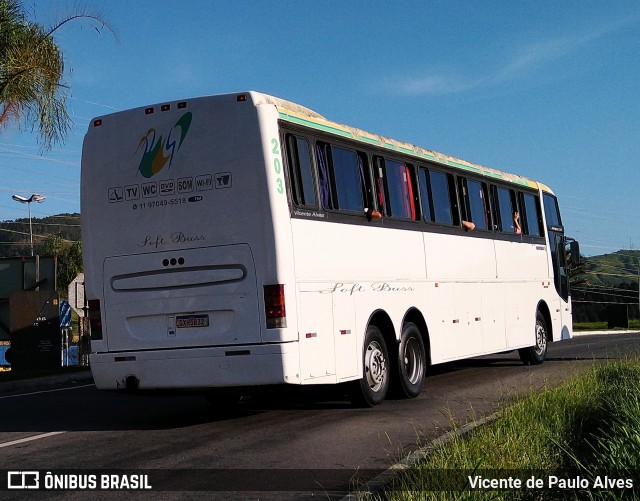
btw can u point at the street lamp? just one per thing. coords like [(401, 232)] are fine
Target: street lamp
[(33, 198)]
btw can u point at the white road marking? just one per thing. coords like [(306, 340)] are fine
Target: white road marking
[(29, 439), (46, 391)]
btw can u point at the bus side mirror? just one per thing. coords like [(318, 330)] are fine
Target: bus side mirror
[(574, 249)]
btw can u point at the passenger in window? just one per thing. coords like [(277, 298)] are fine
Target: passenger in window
[(468, 226), (372, 214), (516, 223)]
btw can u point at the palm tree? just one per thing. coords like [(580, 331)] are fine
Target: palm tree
[(31, 73)]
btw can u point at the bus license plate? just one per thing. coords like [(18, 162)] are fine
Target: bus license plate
[(189, 321)]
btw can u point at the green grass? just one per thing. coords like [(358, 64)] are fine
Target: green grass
[(599, 326), (585, 428)]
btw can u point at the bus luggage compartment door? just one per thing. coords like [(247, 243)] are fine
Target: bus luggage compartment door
[(181, 298)]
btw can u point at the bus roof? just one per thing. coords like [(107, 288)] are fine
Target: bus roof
[(297, 114)]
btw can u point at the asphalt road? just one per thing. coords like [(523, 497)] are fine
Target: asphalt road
[(283, 438)]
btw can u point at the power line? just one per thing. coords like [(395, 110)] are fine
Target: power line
[(601, 302), (635, 294), (64, 225)]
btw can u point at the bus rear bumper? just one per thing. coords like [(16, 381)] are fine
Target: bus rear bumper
[(193, 368)]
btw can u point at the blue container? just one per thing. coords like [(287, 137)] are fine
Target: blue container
[(3, 348)]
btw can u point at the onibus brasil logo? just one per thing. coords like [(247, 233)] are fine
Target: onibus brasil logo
[(158, 152)]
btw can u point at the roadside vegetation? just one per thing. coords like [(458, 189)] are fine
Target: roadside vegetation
[(603, 326), (580, 440)]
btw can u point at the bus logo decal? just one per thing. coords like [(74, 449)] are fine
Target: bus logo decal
[(157, 152)]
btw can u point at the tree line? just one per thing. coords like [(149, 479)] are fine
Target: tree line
[(53, 236)]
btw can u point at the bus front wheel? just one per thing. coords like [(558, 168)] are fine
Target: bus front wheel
[(372, 388), (535, 355)]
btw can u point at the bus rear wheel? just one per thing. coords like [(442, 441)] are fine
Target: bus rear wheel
[(536, 354), (372, 388), (411, 363)]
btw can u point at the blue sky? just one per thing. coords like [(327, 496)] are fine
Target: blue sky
[(546, 89)]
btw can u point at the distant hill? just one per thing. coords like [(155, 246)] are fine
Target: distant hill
[(614, 269), (603, 281), (14, 235)]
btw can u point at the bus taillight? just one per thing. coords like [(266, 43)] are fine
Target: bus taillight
[(95, 321), (274, 306)]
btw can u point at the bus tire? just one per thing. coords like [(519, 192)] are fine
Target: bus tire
[(411, 364), (372, 388), (535, 355)]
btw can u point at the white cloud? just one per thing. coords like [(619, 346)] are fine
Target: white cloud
[(431, 84), (435, 82), (516, 64)]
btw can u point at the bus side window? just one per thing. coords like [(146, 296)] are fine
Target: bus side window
[(551, 211), (396, 183), (506, 208), (475, 203), (532, 224), (347, 177), (324, 182), (425, 194), (480, 204), (301, 171), (445, 209)]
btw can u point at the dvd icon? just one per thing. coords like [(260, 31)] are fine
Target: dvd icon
[(23, 480)]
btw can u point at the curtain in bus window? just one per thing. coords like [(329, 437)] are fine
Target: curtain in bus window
[(441, 200), (410, 193), (381, 199), (363, 181), (323, 175), (347, 178), (400, 191)]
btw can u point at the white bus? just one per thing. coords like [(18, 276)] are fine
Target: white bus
[(243, 240)]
